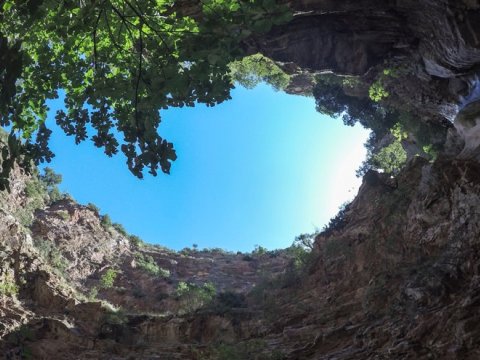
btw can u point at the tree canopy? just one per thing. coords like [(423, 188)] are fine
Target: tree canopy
[(117, 63), (254, 69)]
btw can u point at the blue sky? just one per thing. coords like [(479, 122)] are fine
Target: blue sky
[(261, 169)]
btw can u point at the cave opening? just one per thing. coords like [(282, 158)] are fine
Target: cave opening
[(259, 169)]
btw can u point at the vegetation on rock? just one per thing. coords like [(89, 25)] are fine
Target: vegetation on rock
[(108, 278), (191, 297), (8, 287), (148, 264), (52, 255)]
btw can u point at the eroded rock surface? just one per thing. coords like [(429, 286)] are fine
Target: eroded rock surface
[(397, 278)]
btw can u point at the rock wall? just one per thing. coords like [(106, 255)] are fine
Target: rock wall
[(350, 37), (398, 278)]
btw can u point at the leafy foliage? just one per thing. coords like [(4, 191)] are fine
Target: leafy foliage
[(52, 255), (120, 228), (117, 63), (40, 190), (192, 296), (63, 214), (135, 240), (331, 100), (8, 287), (108, 278), (148, 264), (302, 257), (259, 250), (338, 222), (93, 207), (106, 221), (378, 91), (254, 69), (391, 158), (50, 178)]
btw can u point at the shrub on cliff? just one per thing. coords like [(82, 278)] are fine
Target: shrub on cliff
[(120, 229), (192, 297), (148, 264), (336, 223), (332, 100), (8, 287), (108, 278), (391, 158), (93, 208), (106, 221), (135, 241), (52, 255), (301, 258), (40, 190)]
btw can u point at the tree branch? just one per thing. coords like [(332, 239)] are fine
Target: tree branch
[(95, 38)]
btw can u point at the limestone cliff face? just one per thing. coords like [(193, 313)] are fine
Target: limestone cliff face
[(397, 279), (60, 308), (400, 279)]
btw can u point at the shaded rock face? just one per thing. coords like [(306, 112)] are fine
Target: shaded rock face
[(345, 43), (350, 37), (398, 279)]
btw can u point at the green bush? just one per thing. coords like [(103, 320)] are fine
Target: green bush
[(40, 190), (93, 293), (135, 241), (259, 250), (106, 222), (52, 255), (64, 214), (49, 178), (36, 199), (55, 195), (8, 287), (147, 263), (34, 189), (391, 159), (108, 278), (19, 339), (192, 297), (120, 229), (377, 91), (301, 259), (94, 208)]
